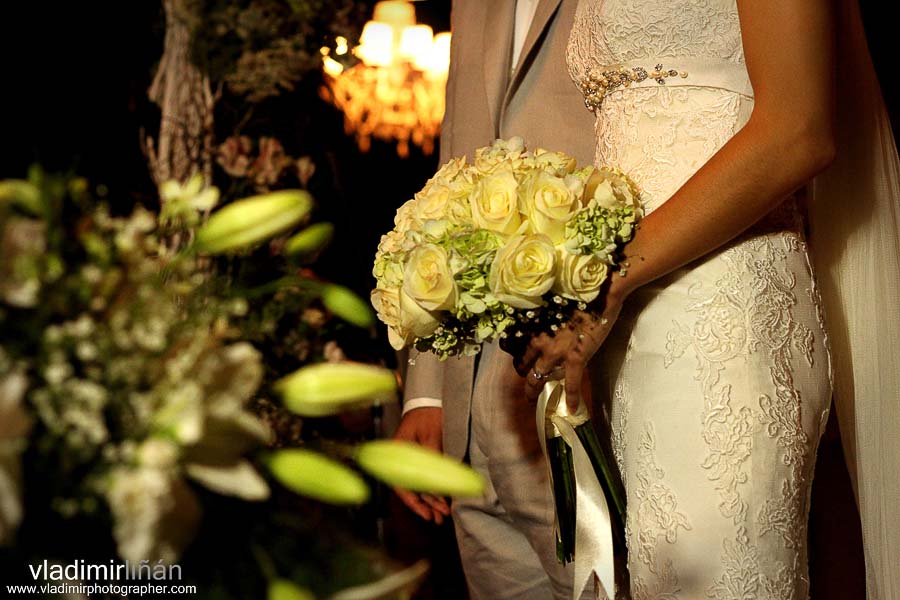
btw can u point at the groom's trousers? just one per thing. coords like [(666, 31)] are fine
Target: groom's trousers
[(506, 538)]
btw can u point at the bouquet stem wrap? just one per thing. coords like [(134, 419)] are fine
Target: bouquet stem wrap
[(589, 500)]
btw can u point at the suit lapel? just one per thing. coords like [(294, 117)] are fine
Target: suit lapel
[(499, 19), (543, 14)]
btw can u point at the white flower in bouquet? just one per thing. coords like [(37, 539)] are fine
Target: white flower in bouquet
[(615, 189), (454, 169), (390, 243), (579, 276), (427, 278), (495, 204), (415, 320), (502, 153), (549, 202), (386, 301), (558, 163), (406, 219), (523, 270), (432, 204)]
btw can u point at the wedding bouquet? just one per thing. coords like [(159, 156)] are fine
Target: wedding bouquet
[(508, 246)]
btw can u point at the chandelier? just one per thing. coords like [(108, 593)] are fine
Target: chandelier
[(395, 93)]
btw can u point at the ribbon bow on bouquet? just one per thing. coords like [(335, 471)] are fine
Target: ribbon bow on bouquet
[(587, 492)]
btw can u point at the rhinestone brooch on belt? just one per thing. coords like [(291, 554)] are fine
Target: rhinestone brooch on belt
[(597, 84)]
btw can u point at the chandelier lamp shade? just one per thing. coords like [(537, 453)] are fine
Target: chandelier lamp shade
[(395, 90)]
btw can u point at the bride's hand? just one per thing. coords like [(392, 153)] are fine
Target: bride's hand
[(567, 352)]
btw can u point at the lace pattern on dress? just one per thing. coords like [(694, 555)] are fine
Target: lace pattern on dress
[(624, 31), (655, 517)]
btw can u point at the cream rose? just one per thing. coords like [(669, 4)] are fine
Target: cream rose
[(406, 219), (523, 270), (609, 189), (495, 203), (459, 210), (499, 154), (562, 164), (404, 318), (386, 302), (427, 278), (549, 202), (432, 204), (579, 276), (450, 170), (415, 320), (390, 242)]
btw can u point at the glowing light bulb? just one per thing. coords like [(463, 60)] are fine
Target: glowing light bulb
[(397, 13), (415, 42), (376, 46), (341, 45)]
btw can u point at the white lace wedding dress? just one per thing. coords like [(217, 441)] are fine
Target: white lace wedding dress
[(719, 374)]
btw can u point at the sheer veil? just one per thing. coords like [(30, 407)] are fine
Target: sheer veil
[(855, 241)]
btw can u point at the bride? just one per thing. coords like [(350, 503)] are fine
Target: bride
[(713, 341)]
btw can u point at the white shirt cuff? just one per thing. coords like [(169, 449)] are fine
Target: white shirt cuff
[(424, 402)]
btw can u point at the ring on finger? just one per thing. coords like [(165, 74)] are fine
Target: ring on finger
[(538, 376)]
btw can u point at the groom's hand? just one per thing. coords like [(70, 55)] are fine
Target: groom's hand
[(423, 426)]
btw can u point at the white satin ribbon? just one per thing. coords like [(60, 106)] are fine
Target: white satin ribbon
[(593, 527)]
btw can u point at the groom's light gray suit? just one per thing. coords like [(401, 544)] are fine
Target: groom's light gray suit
[(506, 538)]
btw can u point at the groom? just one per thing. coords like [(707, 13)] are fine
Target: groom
[(508, 77)]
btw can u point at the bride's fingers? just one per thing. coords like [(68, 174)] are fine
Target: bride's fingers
[(557, 372), (574, 373), (528, 360), (533, 387)]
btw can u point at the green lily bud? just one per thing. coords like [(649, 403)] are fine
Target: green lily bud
[(283, 589), (310, 241), (23, 194), (316, 476), (329, 388), (419, 469), (253, 220), (347, 305)]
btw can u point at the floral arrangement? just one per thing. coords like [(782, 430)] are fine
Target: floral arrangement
[(515, 241), (129, 372)]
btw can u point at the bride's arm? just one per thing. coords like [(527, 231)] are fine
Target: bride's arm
[(788, 47)]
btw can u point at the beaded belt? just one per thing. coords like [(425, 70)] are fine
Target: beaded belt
[(600, 82)]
